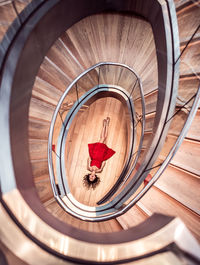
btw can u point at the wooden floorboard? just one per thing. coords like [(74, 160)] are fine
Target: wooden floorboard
[(86, 129)]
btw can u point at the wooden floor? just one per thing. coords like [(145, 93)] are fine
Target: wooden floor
[(86, 129)]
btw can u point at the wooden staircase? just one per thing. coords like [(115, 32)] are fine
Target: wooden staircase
[(129, 40)]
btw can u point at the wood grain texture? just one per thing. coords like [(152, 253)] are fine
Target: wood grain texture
[(194, 130), (188, 157), (188, 21), (190, 58), (7, 16), (100, 227), (86, 128), (157, 201), (175, 182), (132, 218)]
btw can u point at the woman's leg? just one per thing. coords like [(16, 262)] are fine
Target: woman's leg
[(104, 131)]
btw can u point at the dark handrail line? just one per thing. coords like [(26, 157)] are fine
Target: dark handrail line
[(61, 117), (15, 28), (16, 11), (188, 3), (77, 93), (147, 94), (181, 107), (149, 169), (133, 87), (188, 43)]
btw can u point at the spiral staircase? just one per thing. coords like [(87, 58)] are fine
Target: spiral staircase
[(50, 44)]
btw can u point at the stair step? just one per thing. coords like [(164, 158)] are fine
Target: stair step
[(8, 12), (48, 71), (46, 92), (194, 130), (150, 102), (38, 149), (44, 188), (100, 227), (188, 21), (39, 167), (178, 184), (190, 57), (187, 156), (41, 110), (157, 201), (132, 218), (38, 129)]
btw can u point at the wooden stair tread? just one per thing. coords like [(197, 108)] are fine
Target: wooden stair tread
[(100, 227), (179, 184), (157, 201), (132, 218)]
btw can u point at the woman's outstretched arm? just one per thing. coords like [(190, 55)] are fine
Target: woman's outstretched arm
[(88, 164)]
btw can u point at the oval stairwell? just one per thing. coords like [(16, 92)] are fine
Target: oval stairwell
[(110, 31)]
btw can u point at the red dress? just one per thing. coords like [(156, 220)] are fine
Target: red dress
[(99, 152)]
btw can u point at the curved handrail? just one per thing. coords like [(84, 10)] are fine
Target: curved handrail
[(61, 169)]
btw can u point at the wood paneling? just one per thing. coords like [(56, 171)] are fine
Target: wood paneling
[(100, 227), (157, 201), (190, 59), (38, 149), (150, 102), (132, 218), (41, 110), (182, 186), (38, 129), (7, 16), (188, 21), (194, 130), (188, 157), (46, 92), (39, 167), (44, 188), (107, 37)]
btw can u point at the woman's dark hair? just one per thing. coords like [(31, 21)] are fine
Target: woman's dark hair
[(90, 184)]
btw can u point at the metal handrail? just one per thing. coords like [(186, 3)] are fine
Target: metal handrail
[(52, 178)]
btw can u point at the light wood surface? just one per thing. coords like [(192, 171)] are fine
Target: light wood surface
[(174, 182), (86, 129), (8, 13), (167, 205), (188, 20), (101, 227), (132, 218)]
